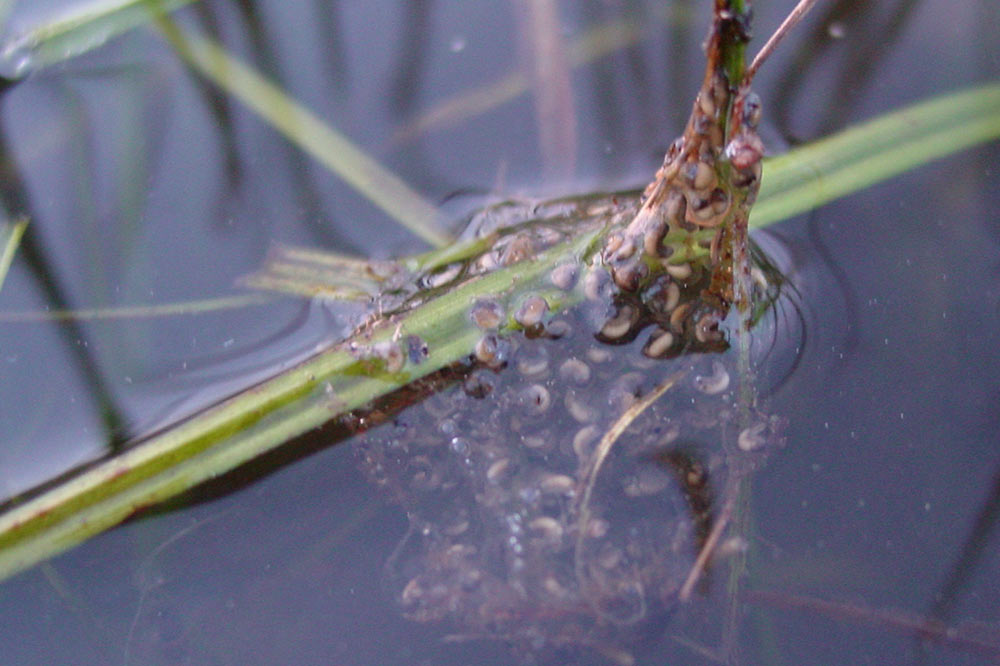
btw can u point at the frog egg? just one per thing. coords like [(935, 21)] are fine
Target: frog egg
[(673, 296), (460, 446), (533, 361), (537, 399), (575, 371), (688, 172), (486, 314), (707, 329), (470, 579), (529, 494), (390, 353), (613, 242), (678, 316), (459, 526), (557, 484), (752, 438), (520, 247), (704, 178), (751, 110), (535, 442), (413, 592), (629, 276), (564, 277), (478, 385), (626, 390), (702, 213), (448, 427), (599, 354), (679, 271), (457, 552), (675, 207), (531, 312), (715, 383), (705, 103), (619, 325), (416, 349), (652, 242), (719, 202), (498, 470), (443, 276), (609, 556), (584, 440), (491, 351), (554, 588), (440, 405), (597, 284), (659, 344), (425, 475), (647, 481), (547, 529), (578, 408), (558, 328), (625, 251)]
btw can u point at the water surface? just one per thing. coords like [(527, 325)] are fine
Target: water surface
[(145, 185)]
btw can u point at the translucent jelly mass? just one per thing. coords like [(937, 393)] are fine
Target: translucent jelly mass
[(517, 530)]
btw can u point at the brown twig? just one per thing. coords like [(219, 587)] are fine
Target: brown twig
[(908, 623), (786, 26)]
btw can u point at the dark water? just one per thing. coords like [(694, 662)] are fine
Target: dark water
[(146, 186)]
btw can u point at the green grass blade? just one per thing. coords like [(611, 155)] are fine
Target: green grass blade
[(255, 421), (78, 28), (10, 238), (874, 151), (134, 312), (335, 381), (301, 127)]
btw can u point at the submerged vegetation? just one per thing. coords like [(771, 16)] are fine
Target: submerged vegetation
[(553, 397)]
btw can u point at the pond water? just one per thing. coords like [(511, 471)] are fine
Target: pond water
[(871, 531)]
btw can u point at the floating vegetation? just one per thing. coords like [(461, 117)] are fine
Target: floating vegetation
[(548, 481), (548, 501)]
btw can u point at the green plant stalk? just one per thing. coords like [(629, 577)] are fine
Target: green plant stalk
[(334, 382)]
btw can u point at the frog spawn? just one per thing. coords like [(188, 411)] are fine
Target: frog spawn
[(493, 472)]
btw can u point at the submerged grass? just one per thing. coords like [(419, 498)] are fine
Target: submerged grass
[(77, 28), (10, 238), (305, 130)]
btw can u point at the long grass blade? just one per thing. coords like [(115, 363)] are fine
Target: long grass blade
[(10, 238), (134, 312), (874, 151), (77, 28)]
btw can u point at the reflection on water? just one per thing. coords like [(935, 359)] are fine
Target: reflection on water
[(144, 186)]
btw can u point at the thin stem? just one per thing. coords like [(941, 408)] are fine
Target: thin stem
[(772, 43)]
